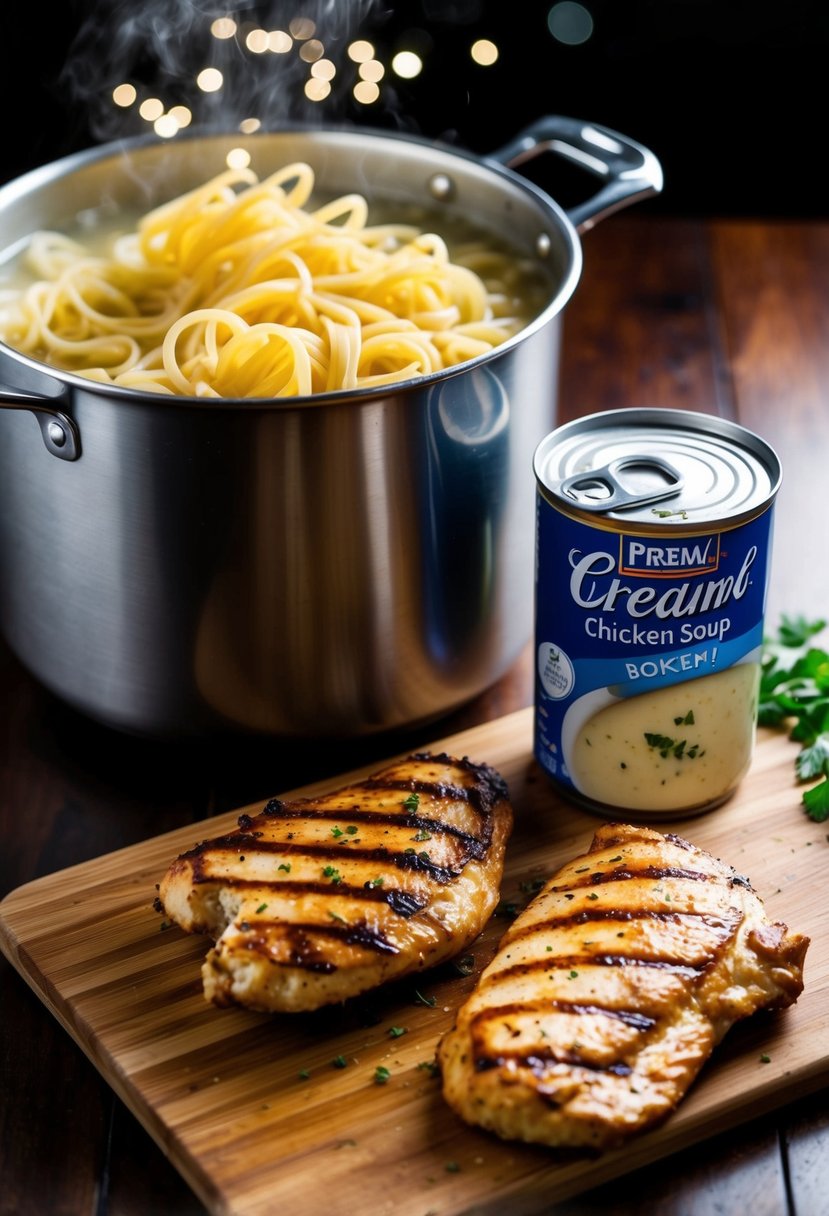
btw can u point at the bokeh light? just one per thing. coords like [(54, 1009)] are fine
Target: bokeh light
[(258, 41), (223, 27), (302, 28), (407, 65), (166, 126), (151, 108), (279, 42), (238, 158), (366, 92), (324, 69), (360, 51), (371, 70), (312, 50), (210, 80), (570, 23), (484, 52), (182, 116), (316, 89), (124, 95)]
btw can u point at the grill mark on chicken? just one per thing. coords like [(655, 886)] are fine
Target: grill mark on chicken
[(624, 873), (473, 846), (686, 970), (538, 1058), (234, 842), (304, 940), (403, 860), (578, 1042), (630, 1017), (404, 903), (585, 916)]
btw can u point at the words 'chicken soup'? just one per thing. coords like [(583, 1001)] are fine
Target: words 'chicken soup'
[(653, 551)]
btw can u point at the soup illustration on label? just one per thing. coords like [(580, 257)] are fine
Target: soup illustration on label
[(653, 548)]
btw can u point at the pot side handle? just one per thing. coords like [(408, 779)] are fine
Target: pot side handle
[(60, 432), (630, 171)]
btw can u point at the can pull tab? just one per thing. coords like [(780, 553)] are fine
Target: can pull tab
[(630, 481)]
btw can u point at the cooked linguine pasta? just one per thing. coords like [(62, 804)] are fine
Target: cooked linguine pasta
[(240, 289)]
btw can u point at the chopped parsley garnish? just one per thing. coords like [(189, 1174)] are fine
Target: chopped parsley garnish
[(304, 1074), (412, 802), (666, 746), (422, 835), (396, 1031), (285, 865), (339, 1062), (333, 873), (381, 1075), (261, 908), (334, 916), (794, 695), (664, 513), (337, 832), (430, 1066), (420, 999), (374, 882)]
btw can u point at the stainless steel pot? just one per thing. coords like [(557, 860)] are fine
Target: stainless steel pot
[(328, 566)]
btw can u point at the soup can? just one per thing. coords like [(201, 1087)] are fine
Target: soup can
[(653, 551)]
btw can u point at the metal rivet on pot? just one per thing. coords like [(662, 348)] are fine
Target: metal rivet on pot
[(57, 434), (543, 245), (441, 187)]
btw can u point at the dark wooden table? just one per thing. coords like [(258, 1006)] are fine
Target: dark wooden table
[(728, 318)]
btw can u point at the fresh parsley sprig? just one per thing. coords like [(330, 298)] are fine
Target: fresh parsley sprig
[(794, 694)]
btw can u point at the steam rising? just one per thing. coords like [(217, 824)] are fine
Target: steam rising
[(161, 47)]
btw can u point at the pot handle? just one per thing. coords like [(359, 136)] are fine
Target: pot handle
[(630, 171), (60, 432)]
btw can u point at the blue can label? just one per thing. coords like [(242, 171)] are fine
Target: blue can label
[(620, 614)]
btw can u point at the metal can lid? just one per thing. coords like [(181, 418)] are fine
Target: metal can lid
[(657, 467)]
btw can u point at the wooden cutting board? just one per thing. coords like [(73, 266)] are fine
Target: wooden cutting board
[(265, 1113)]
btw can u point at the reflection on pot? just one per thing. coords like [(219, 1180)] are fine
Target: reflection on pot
[(462, 506), (380, 558)]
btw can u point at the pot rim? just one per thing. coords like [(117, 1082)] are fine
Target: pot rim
[(45, 175)]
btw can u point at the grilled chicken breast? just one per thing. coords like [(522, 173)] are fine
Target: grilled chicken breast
[(318, 899), (610, 991)]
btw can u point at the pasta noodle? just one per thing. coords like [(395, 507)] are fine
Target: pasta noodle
[(240, 289)]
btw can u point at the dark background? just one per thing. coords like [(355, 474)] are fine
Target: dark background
[(730, 96)]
